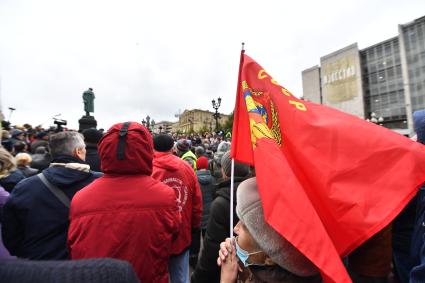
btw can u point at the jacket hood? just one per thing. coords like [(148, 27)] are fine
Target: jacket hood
[(204, 177), (138, 150), (167, 161), (419, 121), (63, 177)]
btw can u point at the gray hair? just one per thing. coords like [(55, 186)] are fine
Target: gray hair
[(221, 149), (199, 150), (282, 252), (64, 143)]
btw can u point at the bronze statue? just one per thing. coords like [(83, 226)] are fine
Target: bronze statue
[(88, 98)]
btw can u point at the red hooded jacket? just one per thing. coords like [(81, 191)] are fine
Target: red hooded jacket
[(178, 174), (126, 214)]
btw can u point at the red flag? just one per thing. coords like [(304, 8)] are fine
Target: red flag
[(328, 180)]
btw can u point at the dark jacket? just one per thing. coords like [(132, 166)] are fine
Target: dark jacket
[(417, 256), (92, 157), (403, 227), (101, 270), (417, 237), (7, 144), (35, 222), (208, 185), (272, 274), (417, 273), (217, 231), (4, 253), (27, 171), (9, 182)]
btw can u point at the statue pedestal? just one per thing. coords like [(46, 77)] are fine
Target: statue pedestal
[(87, 122)]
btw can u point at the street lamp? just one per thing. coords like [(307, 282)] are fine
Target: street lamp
[(148, 123), (153, 125), (148, 119), (216, 115), (11, 111)]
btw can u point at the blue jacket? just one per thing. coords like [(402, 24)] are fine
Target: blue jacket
[(418, 242), (418, 248), (9, 182), (35, 222)]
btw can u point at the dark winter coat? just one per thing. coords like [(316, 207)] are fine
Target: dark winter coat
[(35, 222), (7, 144), (272, 274), (208, 185), (417, 240), (100, 270), (9, 182), (417, 255), (4, 253), (92, 157), (217, 231), (27, 171)]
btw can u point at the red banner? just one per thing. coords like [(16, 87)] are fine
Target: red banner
[(328, 180)]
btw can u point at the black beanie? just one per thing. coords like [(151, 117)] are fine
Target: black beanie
[(92, 135), (163, 142), (240, 170)]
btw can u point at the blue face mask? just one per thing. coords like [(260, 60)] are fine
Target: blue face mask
[(244, 255)]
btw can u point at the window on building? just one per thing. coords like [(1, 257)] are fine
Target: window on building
[(381, 76), (387, 48)]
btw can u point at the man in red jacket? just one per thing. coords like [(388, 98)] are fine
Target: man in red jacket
[(126, 214), (177, 174)]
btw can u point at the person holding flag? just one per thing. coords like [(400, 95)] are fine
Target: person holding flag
[(320, 169), (259, 253)]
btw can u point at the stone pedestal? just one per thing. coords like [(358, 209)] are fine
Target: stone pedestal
[(87, 122)]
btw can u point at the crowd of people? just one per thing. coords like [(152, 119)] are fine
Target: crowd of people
[(132, 206)]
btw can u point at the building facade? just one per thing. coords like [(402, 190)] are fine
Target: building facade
[(312, 88), (163, 127), (384, 81), (197, 120), (341, 85)]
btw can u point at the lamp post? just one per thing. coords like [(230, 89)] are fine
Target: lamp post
[(152, 125), (148, 123), (216, 115), (11, 111)]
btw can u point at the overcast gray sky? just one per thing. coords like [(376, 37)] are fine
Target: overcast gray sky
[(156, 57)]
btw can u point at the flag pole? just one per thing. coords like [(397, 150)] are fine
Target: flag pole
[(232, 177)]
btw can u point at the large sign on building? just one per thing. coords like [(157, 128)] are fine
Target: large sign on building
[(341, 80)]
